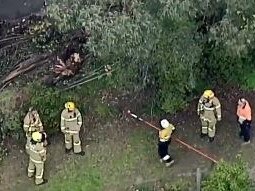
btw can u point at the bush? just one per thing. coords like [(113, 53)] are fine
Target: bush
[(249, 81), (49, 103), (11, 115), (229, 177), (175, 47)]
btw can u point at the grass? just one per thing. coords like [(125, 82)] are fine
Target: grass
[(112, 166), (6, 99), (249, 82)]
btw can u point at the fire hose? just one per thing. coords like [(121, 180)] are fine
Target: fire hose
[(175, 139)]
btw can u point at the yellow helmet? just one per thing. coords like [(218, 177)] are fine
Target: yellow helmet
[(208, 94), (70, 105), (37, 136)]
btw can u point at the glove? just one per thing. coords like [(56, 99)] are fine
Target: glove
[(218, 118)]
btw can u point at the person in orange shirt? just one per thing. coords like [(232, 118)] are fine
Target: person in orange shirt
[(244, 119)]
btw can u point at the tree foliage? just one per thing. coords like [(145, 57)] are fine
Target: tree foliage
[(231, 177), (174, 47)]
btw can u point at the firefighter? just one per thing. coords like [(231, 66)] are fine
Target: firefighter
[(209, 111), (37, 158), (244, 119), (71, 122), (164, 141), (32, 123)]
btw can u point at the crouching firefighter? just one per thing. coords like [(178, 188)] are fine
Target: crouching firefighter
[(209, 111), (164, 141), (32, 123), (37, 158), (71, 122)]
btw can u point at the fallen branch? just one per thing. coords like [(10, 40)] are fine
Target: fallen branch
[(14, 44), (9, 38), (86, 80), (24, 67)]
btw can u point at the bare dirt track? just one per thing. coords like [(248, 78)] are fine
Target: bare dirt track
[(137, 143)]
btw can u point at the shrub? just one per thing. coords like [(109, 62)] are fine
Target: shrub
[(228, 177), (249, 81), (49, 103), (174, 47), (10, 114)]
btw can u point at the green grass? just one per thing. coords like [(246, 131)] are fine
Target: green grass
[(76, 177), (249, 82), (113, 165)]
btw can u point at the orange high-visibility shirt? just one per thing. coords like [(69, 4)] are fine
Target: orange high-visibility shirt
[(245, 112)]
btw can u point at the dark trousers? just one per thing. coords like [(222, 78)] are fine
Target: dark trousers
[(245, 130), (163, 150)]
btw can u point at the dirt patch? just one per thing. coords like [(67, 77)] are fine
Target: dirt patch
[(126, 150)]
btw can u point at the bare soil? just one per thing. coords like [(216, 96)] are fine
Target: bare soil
[(114, 137)]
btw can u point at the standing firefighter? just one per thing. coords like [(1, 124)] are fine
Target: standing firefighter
[(244, 119), (209, 110), (32, 123), (37, 158), (71, 122), (164, 141)]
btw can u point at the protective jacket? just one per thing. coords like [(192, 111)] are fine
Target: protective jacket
[(165, 134), (209, 110), (31, 125), (37, 153), (71, 122)]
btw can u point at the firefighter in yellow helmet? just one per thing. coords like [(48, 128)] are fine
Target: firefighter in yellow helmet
[(37, 158), (32, 123), (71, 122), (164, 141), (209, 111)]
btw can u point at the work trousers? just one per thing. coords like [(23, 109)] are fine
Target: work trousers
[(208, 127), (163, 151), (245, 128), (36, 168), (73, 140)]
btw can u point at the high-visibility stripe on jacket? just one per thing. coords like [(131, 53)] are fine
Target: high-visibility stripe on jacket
[(244, 112), (37, 152), (209, 109), (71, 122), (29, 126)]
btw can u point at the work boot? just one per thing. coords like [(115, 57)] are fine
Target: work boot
[(211, 139), (169, 163), (82, 153), (246, 143), (202, 135), (68, 151), (44, 182)]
